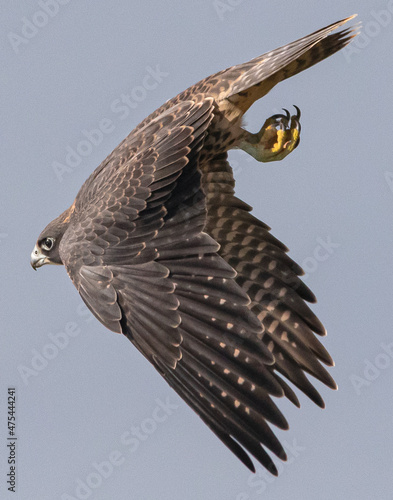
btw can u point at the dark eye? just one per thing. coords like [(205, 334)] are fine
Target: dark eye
[(47, 243)]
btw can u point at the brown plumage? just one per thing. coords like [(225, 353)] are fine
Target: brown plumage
[(161, 250)]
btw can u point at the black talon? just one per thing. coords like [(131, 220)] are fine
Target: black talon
[(287, 113), (295, 120), (298, 113), (279, 117)]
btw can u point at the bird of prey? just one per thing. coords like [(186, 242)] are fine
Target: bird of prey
[(162, 251)]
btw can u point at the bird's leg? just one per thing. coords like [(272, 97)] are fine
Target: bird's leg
[(278, 137)]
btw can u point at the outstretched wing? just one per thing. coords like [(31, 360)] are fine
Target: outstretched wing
[(241, 85), (271, 280), (259, 75), (121, 206), (139, 256)]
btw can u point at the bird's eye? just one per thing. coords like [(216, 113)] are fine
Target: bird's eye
[(47, 243)]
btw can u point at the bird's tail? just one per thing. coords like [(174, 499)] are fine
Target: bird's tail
[(252, 80)]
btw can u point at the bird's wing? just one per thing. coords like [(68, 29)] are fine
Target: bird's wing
[(241, 85), (271, 280), (252, 80), (139, 256), (121, 207)]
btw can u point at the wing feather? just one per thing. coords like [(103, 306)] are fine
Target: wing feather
[(271, 280)]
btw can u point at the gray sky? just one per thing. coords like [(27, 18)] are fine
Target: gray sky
[(79, 404)]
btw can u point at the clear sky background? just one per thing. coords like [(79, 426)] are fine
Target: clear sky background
[(78, 405)]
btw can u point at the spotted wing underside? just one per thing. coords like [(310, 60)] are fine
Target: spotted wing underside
[(271, 280), (140, 259)]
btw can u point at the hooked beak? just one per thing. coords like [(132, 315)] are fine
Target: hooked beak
[(37, 259)]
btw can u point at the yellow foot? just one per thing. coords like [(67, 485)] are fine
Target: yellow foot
[(278, 137)]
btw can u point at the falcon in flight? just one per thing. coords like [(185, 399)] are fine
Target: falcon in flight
[(162, 251)]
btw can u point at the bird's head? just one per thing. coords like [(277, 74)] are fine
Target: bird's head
[(46, 250)]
